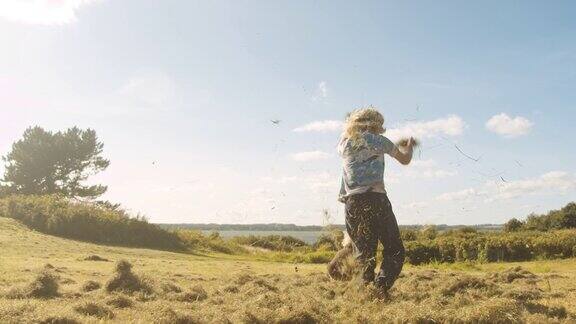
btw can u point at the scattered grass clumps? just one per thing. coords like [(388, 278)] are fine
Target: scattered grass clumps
[(58, 320), (120, 302), (94, 309), (90, 285), (170, 316), (168, 287), (95, 257), (125, 280), (299, 317), (44, 286), (512, 274), (463, 284), (523, 294), (196, 293), (558, 312)]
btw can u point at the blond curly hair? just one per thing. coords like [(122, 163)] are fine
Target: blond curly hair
[(361, 121)]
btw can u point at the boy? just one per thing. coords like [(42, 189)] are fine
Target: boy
[(369, 215)]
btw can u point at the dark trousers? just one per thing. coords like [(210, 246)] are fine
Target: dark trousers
[(369, 220)]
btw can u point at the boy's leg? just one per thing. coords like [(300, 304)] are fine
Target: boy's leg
[(393, 254), (361, 222)]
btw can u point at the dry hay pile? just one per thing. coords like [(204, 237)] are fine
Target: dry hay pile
[(126, 281), (45, 285)]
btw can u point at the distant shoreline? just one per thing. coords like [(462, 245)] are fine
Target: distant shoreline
[(274, 227)]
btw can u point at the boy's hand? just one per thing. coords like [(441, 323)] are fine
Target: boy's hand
[(408, 142)]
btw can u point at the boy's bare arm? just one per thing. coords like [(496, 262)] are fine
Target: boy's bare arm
[(405, 150)]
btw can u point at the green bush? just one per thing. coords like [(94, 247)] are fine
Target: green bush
[(196, 240), (83, 221), (270, 242), (455, 246), (564, 218), (330, 240)]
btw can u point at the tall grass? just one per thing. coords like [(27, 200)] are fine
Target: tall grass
[(83, 221)]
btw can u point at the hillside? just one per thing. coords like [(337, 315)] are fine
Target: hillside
[(188, 288)]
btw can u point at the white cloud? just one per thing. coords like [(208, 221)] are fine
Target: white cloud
[(555, 182), (310, 156), (281, 179), (322, 182), (458, 195), (321, 126), (507, 126), (423, 169), (316, 182), (450, 126), (153, 89), (44, 12)]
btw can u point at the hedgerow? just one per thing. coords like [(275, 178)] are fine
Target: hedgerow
[(85, 221), (493, 247)]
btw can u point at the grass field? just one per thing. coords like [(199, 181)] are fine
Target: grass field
[(46, 279)]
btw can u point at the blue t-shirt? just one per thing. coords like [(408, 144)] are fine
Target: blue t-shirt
[(363, 165)]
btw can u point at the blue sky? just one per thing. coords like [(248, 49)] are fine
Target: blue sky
[(183, 93)]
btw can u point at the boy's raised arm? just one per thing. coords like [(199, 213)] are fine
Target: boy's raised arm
[(405, 149)]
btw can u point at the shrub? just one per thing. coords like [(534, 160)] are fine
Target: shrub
[(329, 241), (513, 225), (492, 247), (196, 240), (84, 221), (270, 242)]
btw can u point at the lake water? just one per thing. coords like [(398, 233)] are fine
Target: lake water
[(309, 237)]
